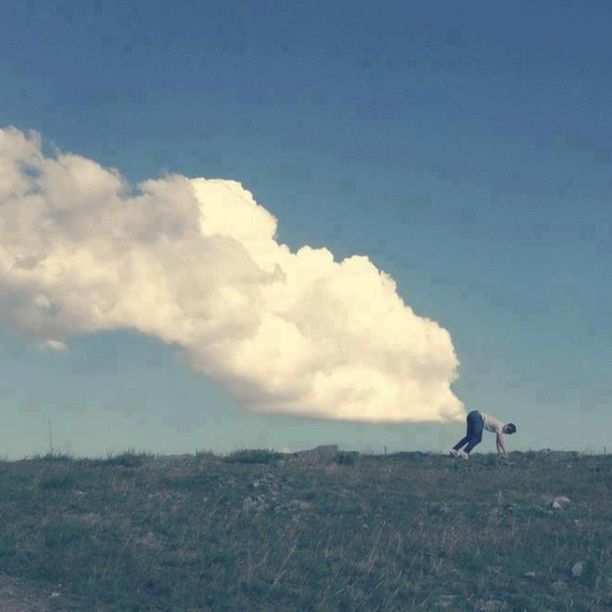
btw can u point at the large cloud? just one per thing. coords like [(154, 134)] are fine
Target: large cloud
[(195, 263)]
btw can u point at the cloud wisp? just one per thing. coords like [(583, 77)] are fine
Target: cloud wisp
[(196, 263)]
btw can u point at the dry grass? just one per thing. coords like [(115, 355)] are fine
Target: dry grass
[(266, 532)]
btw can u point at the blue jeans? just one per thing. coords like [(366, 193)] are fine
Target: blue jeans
[(475, 425)]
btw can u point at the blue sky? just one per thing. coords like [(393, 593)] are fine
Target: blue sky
[(464, 148)]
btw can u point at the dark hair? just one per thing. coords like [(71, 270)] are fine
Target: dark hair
[(511, 428)]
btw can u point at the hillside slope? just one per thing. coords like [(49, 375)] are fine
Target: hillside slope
[(261, 531)]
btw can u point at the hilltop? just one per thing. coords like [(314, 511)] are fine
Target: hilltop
[(259, 530)]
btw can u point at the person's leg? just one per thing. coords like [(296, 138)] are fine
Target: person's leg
[(461, 443), (476, 429), (477, 439), (468, 436)]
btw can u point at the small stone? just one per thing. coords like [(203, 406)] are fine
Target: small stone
[(149, 540), (577, 569), (255, 503), (559, 502), (558, 585)]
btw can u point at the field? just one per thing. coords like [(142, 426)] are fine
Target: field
[(257, 530)]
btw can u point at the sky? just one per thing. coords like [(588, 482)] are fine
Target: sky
[(453, 161)]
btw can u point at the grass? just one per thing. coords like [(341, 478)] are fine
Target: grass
[(261, 531), (253, 456)]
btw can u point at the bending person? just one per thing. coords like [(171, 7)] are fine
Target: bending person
[(476, 423)]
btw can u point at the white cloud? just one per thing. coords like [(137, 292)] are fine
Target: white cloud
[(196, 263), (56, 346)]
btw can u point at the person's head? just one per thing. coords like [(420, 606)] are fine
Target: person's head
[(509, 428)]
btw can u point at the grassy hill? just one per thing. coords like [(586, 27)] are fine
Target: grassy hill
[(262, 531)]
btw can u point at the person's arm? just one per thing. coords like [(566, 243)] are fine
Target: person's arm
[(501, 447)]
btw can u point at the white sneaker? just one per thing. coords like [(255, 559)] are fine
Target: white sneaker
[(463, 454), (453, 453)]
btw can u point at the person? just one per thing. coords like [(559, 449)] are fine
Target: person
[(476, 423)]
